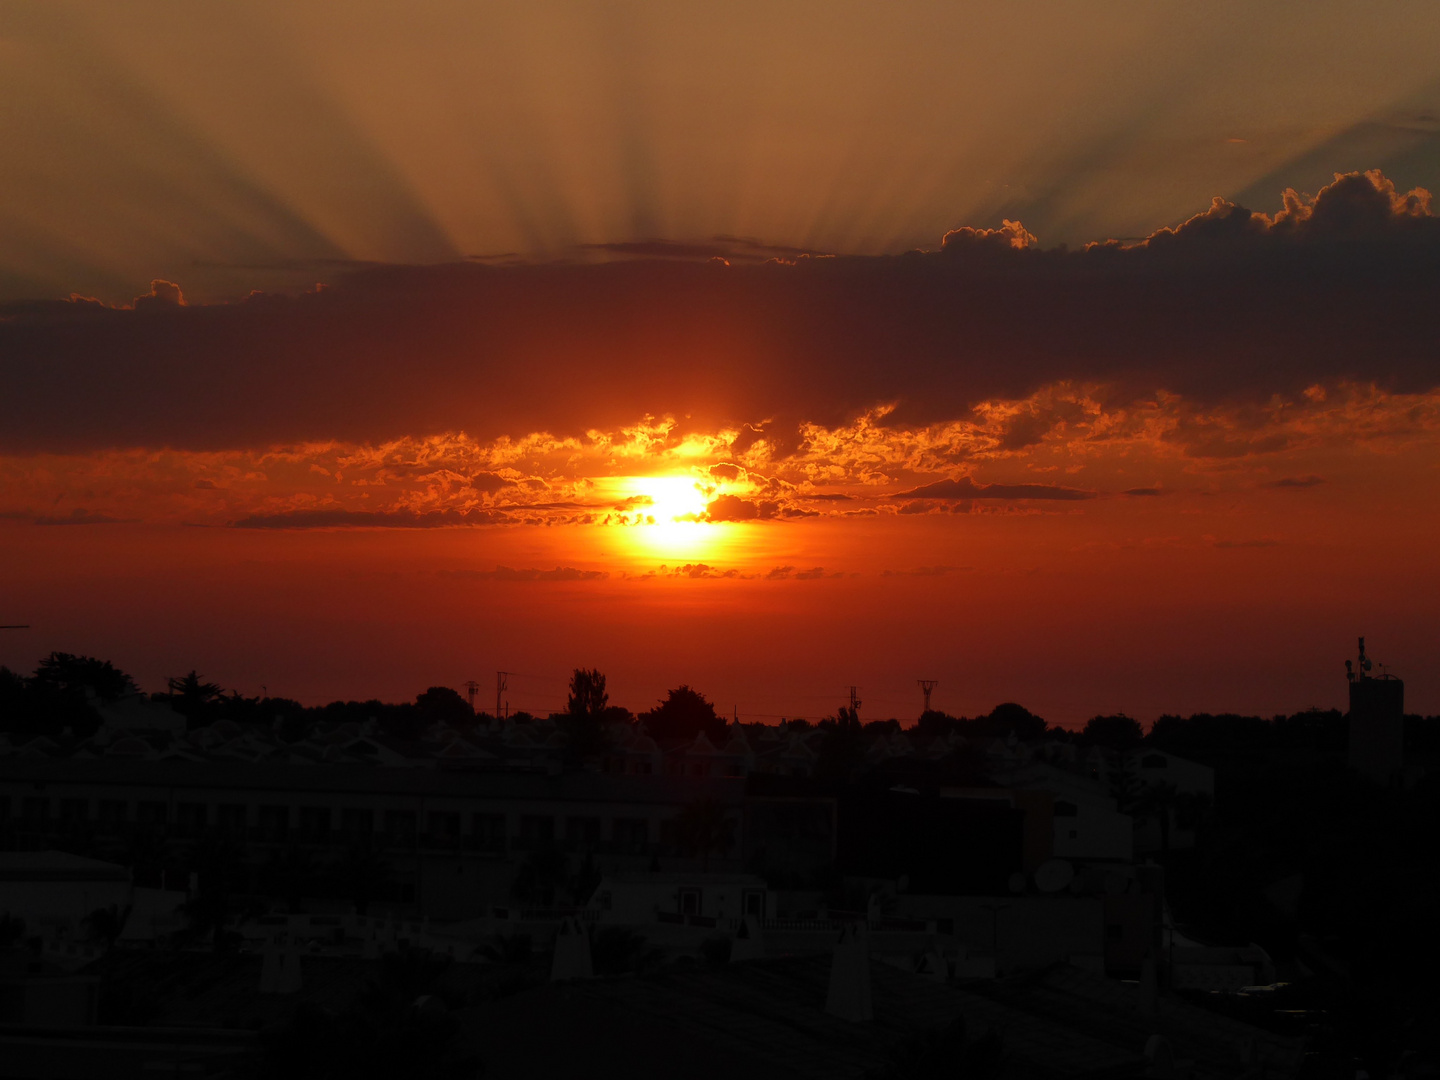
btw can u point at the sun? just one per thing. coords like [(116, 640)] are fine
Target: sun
[(671, 499), (664, 516)]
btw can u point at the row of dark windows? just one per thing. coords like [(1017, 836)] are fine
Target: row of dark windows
[(320, 819)]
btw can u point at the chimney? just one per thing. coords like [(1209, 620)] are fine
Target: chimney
[(849, 994)]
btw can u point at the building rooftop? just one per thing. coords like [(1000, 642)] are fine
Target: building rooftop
[(57, 866), (210, 776)]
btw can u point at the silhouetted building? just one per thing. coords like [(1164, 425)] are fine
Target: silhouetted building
[(1377, 721)]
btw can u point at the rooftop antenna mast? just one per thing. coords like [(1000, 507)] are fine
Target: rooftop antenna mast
[(926, 686), (501, 683), (1363, 664)]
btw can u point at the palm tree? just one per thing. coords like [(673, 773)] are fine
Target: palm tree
[(192, 698)]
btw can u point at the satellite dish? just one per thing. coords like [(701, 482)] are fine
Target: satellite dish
[(1053, 875)]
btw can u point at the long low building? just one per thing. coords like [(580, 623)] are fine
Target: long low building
[(453, 841)]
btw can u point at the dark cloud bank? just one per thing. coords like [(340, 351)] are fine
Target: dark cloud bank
[(1229, 306)]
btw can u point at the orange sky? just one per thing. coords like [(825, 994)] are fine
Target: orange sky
[(1065, 353), (1236, 584)]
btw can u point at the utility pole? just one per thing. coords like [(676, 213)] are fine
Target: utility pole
[(927, 685), (501, 682), (470, 687), (855, 701)]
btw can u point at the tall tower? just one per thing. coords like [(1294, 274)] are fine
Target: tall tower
[(1377, 721), (927, 686)]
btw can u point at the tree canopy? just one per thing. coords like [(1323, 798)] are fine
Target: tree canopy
[(1118, 732), (682, 715)]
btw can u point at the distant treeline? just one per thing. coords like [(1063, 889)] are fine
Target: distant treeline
[(64, 692)]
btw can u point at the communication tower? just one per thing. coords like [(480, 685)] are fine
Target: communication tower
[(1377, 721)]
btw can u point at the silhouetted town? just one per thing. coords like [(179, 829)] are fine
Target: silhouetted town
[(196, 883)]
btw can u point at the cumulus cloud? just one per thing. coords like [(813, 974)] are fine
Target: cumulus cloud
[(1295, 483), (965, 488), (1233, 305), (924, 571), (694, 571), (506, 573), (162, 294), (734, 508), (370, 519)]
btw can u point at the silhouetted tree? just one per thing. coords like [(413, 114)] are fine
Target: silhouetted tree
[(67, 673), (587, 693), (934, 725), (682, 715), (1009, 719), (585, 714), (1204, 736), (193, 699), (60, 694), (842, 751), (442, 705), (1118, 732)]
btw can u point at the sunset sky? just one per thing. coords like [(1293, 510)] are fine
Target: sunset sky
[(1080, 354)]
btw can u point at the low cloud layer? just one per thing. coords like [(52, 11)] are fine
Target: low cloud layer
[(966, 488), (1230, 308)]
